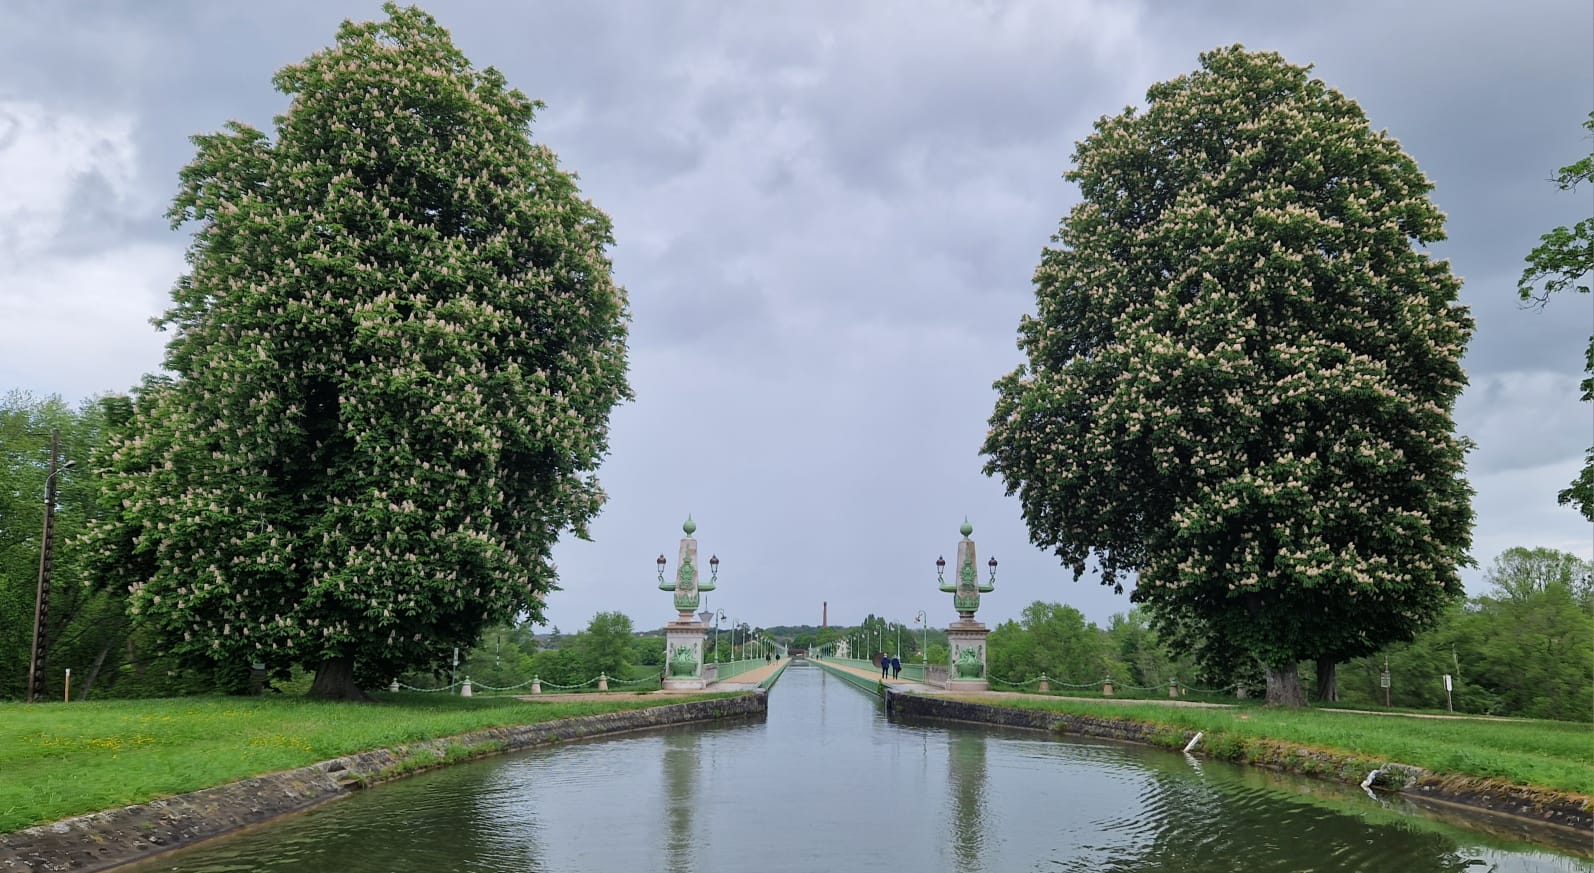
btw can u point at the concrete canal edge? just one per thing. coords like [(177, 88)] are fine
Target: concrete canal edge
[(1560, 816), (104, 840)]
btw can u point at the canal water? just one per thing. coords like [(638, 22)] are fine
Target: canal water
[(827, 783)]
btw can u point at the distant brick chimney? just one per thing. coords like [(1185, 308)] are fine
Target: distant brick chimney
[(824, 616)]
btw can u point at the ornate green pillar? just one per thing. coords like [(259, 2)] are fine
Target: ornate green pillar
[(966, 636), (683, 638)]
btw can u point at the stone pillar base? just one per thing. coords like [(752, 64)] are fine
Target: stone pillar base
[(967, 634), (688, 633)]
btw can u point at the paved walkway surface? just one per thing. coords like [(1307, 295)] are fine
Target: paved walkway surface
[(750, 679), (874, 673)]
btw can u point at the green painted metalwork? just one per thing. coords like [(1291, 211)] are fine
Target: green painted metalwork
[(967, 587), (684, 662), (968, 664), (686, 585)]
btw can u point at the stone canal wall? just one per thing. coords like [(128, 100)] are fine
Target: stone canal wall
[(103, 840), (1570, 817)]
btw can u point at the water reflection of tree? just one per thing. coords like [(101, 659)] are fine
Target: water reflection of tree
[(966, 776), (680, 797), (1194, 823)]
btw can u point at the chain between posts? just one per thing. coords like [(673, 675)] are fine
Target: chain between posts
[(1170, 683), (654, 677)]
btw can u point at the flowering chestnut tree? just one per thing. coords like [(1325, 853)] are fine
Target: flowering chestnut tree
[(1564, 258), (395, 357), (1240, 379)]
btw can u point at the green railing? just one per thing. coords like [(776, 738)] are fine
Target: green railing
[(864, 683)]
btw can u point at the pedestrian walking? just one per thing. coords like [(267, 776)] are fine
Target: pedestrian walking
[(896, 667), (885, 666)]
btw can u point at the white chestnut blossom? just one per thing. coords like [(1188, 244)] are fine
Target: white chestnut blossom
[(1238, 385), (395, 357)]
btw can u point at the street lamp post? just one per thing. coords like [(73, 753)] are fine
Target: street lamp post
[(924, 653), (718, 614), (706, 616), (41, 604)]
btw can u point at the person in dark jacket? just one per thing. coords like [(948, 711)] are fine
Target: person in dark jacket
[(885, 665), (896, 667)]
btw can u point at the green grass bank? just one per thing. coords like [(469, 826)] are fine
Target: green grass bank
[(1557, 756), (60, 760)]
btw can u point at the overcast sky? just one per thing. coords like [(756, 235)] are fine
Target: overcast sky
[(827, 215)]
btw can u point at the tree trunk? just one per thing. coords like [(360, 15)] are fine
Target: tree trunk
[(334, 680), (1327, 681), (94, 671), (1284, 685), (132, 658)]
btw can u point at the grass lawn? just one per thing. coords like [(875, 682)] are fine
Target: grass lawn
[(1543, 754), (59, 760)]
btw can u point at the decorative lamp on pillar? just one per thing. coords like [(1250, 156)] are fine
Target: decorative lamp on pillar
[(684, 637), (966, 636)]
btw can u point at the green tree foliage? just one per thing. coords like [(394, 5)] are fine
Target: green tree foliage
[(648, 650), (1563, 259), (1139, 658), (1049, 639), (396, 354), (83, 626), (1533, 634), (1240, 380), (1525, 648), (503, 657), (561, 667), (605, 646)]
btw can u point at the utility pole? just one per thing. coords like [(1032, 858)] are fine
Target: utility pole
[(41, 605)]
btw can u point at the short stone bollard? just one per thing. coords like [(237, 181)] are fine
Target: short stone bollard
[(1106, 688), (1045, 685), (1173, 688), (1240, 692), (393, 686), (536, 685), (464, 689), (603, 682)]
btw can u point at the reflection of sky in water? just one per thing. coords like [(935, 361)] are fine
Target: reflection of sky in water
[(828, 784)]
